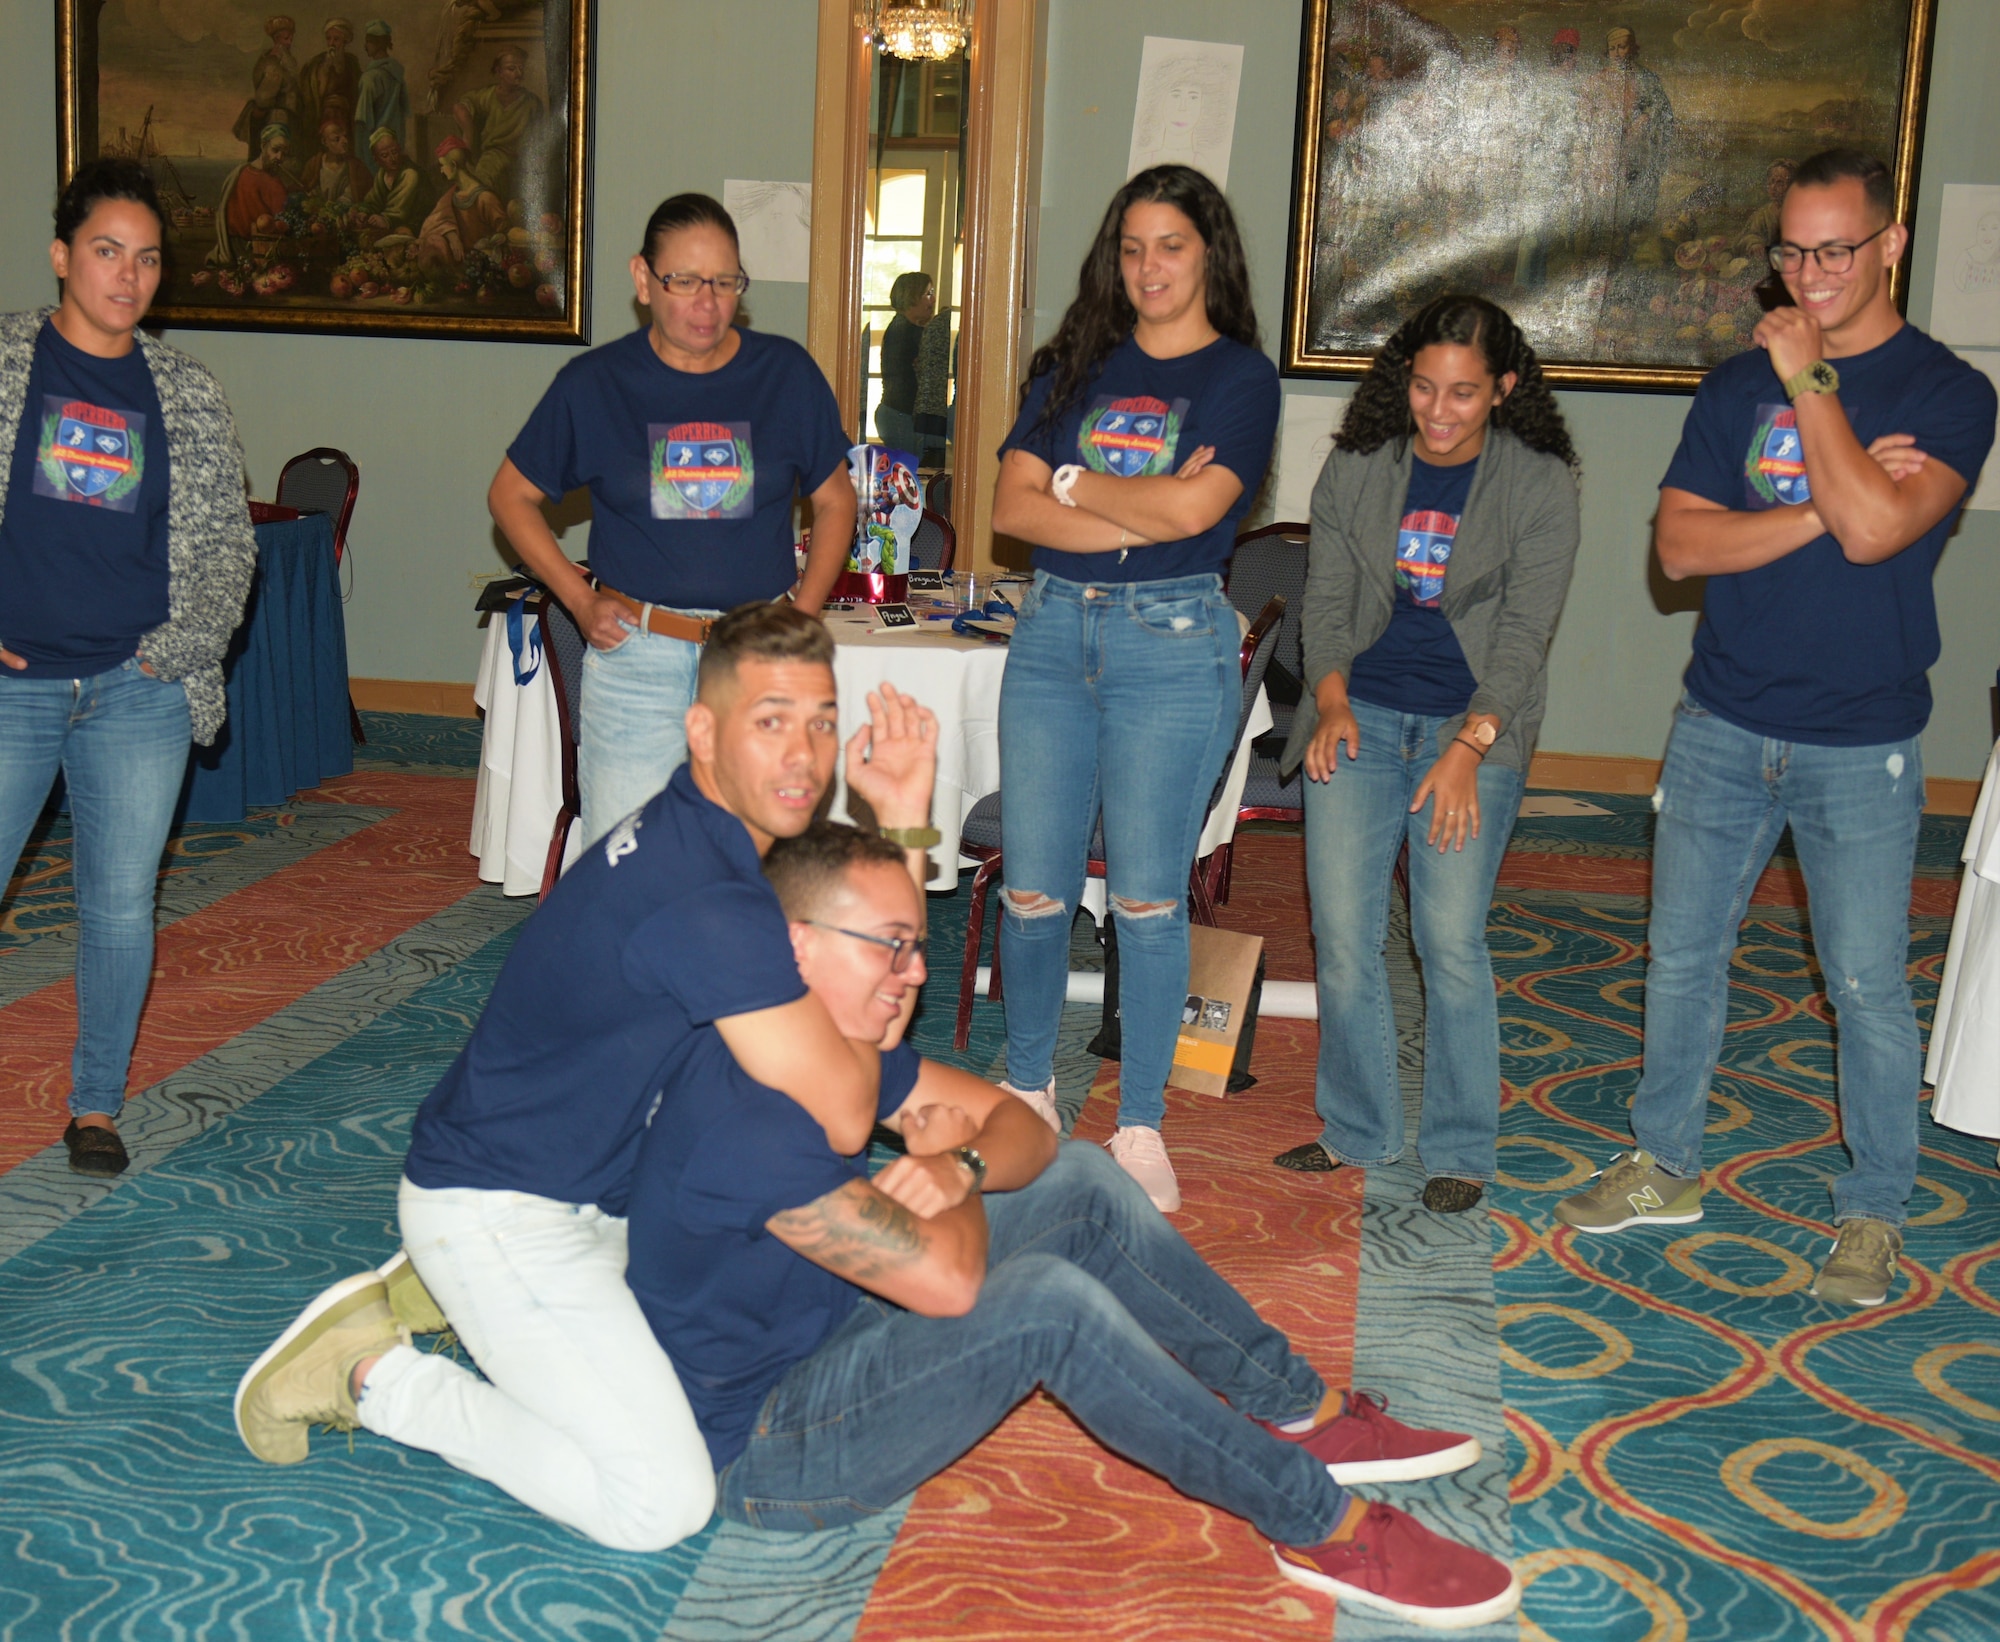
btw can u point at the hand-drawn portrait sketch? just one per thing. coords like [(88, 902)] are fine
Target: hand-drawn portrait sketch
[(1965, 295), (1186, 112), (773, 227)]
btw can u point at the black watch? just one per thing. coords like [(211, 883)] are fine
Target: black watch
[(973, 1161)]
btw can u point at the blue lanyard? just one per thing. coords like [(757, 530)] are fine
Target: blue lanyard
[(516, 611)]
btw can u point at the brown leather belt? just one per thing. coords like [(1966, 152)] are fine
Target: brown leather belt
[(669, 623)]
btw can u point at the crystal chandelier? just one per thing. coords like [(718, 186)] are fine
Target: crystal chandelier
[(915, 32)]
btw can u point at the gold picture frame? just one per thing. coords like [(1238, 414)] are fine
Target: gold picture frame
[(286, 211), (1604, 175)]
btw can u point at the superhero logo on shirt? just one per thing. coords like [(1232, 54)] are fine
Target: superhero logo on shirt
[(701, 470), (1130, 438), (89, 454), (1423, 550), (1774, 468)]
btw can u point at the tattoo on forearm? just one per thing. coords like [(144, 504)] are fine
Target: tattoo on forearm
[(856, 1231)]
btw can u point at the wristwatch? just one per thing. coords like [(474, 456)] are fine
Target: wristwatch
[(1485, 732), (913, 838), (1059, 486), (1818, 377), (973, 1161)]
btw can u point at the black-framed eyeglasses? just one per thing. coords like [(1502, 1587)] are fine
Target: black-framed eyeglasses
[(1836, 258), (724, 285), (902, 948)]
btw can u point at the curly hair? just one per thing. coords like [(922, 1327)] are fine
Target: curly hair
[(1380, 408), (1102, 316)]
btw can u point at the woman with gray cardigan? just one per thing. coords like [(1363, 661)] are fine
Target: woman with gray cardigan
[(1444, 529)]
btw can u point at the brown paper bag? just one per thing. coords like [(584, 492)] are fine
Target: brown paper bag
[(1221, 970)]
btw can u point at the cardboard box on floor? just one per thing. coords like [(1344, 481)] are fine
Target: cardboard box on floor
[(1222, 967)]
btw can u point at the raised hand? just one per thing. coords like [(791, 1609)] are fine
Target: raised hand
[(892, 759)]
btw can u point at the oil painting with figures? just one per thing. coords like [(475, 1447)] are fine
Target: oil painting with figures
[(413, 167), (1608, 170)]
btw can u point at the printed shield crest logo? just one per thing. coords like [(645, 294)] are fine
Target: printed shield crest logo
[(701, 470), (1129, 437), (1776, 469), (94, 446)]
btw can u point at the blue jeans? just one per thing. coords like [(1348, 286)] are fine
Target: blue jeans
[(121, 740), (1725, 795), (633, 730), (1355, 825), (1124, 694), (1088, 1292)]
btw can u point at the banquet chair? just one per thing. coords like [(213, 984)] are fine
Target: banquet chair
[(562, 653), (980, 838), (937, 497), (325, 480), (1267, 561), (934, 539)]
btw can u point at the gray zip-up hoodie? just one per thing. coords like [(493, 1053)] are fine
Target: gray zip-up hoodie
[(211, 550), (1510, 567)]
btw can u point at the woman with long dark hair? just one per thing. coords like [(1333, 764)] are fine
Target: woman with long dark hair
[(1444, 529), (1145, 426)]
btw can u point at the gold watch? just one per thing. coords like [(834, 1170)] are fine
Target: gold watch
[(913, 838)]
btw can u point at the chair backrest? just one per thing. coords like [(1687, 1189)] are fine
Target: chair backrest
[(935, 543), (563, 647), (1273, 561), (938, 497), (1260, 640), (326, 481)]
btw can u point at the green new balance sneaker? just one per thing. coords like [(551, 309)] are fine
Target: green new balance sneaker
[(408, 1298), (1861, 1265), (302, 1380), (1632, 1190)]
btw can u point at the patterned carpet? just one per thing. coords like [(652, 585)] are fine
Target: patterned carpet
[(1681, 1444)]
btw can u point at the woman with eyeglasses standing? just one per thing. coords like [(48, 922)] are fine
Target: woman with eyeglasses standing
[(1145, 427), (693, 437)]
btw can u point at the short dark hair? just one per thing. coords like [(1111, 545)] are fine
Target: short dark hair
[(1824, 169), (670, 216), (808, 869), (113, 177), (909, 289), (767, 632)]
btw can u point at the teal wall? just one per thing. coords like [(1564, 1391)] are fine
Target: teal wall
[(689, 94), (686, 95), (1617, 659)]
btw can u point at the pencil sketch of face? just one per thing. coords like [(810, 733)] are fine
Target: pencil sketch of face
[(1986, 238), (1185, 110)]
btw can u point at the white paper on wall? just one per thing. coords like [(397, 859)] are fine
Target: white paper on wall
[(1965, 293), (773, 227), (1986, 494), (1305, 440), (1186, 113)]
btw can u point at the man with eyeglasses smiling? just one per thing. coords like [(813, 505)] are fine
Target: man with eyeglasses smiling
[(1817, 478)]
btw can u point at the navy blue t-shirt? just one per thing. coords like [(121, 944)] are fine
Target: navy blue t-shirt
[(734, 1307), (691, 476), (83, 547), (1809, 647), (662, 926), (1140, 417), (1417, 665)]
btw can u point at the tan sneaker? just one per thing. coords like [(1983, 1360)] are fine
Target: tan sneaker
[(1632, 1190), (302, 1380), (408, 1298), (1142, 1154), (1042, 1100), (1861, 1265)]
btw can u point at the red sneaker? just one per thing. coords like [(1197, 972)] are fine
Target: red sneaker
[(1396, 1564), (1365, 1445)]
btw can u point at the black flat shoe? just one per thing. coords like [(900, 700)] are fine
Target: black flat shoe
[(95, 1150), (1444, 1195), (1311, 1158)]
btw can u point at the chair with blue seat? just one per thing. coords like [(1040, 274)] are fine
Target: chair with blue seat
[(1266, 562), (934, 544), (563, 648), (980, 837), (325, 480)]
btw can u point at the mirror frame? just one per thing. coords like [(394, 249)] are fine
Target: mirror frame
[(1002, 197)]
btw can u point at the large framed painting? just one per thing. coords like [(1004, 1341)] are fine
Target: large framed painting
[(416, 168), (1607, 172)]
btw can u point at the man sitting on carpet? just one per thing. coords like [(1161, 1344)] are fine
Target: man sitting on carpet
[(665, 932), (842, 1339)]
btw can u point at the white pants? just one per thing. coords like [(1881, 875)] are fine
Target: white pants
[(580, 1415)]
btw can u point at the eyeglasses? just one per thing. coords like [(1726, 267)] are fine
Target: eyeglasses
[(724, 285), (1834, 259), (902, 949)]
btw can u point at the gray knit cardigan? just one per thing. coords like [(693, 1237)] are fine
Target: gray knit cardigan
[(211, 550)]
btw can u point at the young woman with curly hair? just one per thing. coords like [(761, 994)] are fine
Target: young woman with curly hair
[(1444, 528), (1145, 427)]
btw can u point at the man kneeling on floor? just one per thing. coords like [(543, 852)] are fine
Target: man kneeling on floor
[(841, 1339)]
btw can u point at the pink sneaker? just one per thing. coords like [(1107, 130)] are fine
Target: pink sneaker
[(1042, 1100), (1396, 1564), (1142, 1154), (1364, 1445)]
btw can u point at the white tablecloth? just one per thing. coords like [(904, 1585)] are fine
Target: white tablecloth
[(1964, 1062), (520, 769)]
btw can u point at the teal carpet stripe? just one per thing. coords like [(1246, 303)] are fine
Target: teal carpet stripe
[(753, 1586)]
